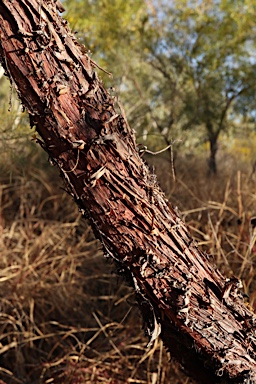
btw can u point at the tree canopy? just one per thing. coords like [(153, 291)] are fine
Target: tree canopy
[(185, 69)]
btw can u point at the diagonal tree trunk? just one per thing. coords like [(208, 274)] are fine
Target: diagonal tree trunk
[(198, 313)]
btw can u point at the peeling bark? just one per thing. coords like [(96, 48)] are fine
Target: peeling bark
[(198, 313)]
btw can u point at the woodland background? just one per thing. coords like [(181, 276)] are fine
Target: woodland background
[(185, 74)]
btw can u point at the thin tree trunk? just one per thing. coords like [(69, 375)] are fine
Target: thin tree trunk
[(213, 152), (1, 72), (198, 313)]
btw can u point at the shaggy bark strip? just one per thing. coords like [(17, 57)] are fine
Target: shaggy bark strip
[(198, 313)]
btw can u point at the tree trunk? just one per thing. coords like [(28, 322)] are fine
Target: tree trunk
[(198, 313), (213, 151)]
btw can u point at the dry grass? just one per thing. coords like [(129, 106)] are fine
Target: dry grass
[(64, 315), (218, 210)]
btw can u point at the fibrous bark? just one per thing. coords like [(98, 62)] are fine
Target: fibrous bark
[(198, 313)]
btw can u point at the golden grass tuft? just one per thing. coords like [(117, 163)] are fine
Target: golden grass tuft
[(65, 318)]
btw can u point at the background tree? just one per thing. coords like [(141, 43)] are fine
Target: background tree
[(181, 68), (212, 45)]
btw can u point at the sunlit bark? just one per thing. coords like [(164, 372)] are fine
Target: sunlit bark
[(198, 313)]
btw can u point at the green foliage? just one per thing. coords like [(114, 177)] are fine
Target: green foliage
[(181, 66), (14, 127), (209, 44), (109, 29), (184, 70)]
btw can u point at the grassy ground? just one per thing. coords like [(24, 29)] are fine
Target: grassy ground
[(64, 315)]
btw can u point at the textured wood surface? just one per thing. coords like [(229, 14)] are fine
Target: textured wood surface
[(198, 313)]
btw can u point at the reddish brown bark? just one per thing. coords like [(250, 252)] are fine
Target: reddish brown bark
[(199, 314)]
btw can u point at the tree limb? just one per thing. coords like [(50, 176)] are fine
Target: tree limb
[(198, 313)]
